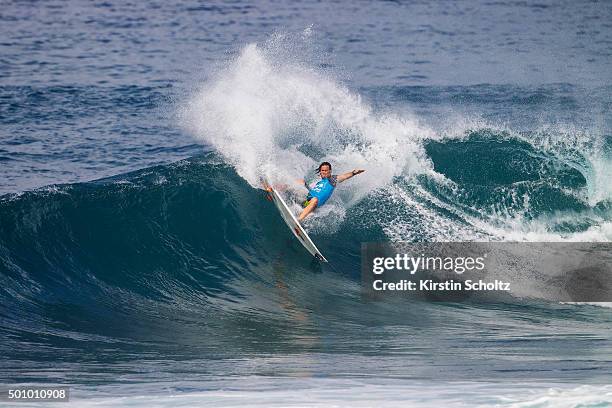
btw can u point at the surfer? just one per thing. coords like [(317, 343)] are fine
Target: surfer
[(320, 193)]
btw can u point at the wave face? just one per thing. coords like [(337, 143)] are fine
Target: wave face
[(186, 268)]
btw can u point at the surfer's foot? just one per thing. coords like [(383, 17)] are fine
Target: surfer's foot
[(266, 186)]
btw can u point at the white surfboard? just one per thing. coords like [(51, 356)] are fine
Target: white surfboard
[(295, 226)]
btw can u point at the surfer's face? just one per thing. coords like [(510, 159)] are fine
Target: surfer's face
[(325, 171)]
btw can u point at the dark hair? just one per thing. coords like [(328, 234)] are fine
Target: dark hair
[(321, 165)]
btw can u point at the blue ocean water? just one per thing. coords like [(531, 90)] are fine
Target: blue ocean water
[(141, 264)]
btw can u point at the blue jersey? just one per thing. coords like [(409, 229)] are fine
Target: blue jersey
[(323, 190)]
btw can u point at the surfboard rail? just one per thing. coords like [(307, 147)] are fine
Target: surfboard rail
[(294, 225)]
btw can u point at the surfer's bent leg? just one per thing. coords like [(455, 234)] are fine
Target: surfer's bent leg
[(312, 204)]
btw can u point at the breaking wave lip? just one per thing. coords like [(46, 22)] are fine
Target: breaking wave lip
[(273, 112), (274, 115)]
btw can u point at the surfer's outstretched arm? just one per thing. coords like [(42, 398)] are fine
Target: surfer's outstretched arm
[(348, 175), (304, 183)]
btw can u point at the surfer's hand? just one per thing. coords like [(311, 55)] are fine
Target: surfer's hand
[(303, 183), (356, 172)]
